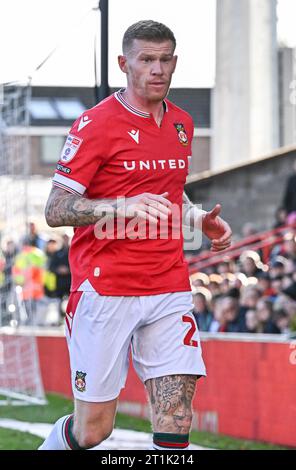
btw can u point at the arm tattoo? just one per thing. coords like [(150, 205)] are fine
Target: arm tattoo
[(170, 399), (67, 209)]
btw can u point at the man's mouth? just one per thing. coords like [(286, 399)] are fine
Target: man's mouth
[(157, 83)]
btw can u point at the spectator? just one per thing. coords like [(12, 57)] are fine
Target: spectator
[(223, 267), (224, 286), (50, 248), (239, 281), (248, 301), (28, 272), (250, 297), (199, 280), (289, 247), (59, 265), (230, 308), (280, 217), (201, 310), (290, 267), (227, 315), (288, 304), (218, 322), (277, 267), (251, 264), (281, 320), (291, 291), (50, 281), (287, 282), (265, 312), (214, 284), (252, 322), (276, 286), (33, 238), (264, 284)]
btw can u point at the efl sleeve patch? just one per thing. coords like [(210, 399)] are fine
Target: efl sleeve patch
[(81, 158), (70, 148)]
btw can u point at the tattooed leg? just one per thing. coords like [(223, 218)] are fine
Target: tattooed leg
[(170, 399)]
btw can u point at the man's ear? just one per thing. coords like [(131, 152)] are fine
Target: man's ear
[(175, 58), (122, 62)]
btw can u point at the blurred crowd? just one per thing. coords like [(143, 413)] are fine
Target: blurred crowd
[(39, 267), (247, 295)]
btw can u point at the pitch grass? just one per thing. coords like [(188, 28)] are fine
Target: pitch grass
[(59, 406)]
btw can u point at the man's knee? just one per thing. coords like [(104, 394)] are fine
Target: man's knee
[(93, 422), (91, 435)]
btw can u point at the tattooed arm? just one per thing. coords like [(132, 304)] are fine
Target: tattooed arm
[(64, 208)]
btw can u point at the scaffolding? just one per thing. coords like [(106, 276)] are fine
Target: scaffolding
[(20, 377)]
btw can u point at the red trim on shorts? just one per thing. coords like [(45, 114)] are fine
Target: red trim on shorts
[(71, 309)]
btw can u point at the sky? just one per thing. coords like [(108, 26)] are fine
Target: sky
[(26, 38)]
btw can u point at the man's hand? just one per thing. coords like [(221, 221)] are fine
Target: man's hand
[(146, 206), (216, 229)]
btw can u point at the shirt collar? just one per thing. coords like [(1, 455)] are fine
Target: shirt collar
[(119, 96)]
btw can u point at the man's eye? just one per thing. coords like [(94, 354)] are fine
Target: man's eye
[(147, 60)]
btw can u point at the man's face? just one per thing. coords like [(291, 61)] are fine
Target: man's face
[(149, 67), (251, 319), (199, 303), (229, 309)]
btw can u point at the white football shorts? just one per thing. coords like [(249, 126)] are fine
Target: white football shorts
[(160, 330)]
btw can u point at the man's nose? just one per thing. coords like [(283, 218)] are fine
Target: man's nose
[(157, 68)]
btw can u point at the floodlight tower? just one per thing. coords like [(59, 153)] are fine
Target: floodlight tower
[(102, 90), (245, 103)]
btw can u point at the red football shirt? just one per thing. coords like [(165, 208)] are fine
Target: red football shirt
[(115, 150)]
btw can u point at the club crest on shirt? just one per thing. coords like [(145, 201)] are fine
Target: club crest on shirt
[(183, 139), (70, 148), (80, 384)]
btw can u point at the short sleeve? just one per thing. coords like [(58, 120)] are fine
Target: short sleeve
[(81, 157)]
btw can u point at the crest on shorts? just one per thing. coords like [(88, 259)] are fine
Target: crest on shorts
[(80, 384), (183, 139)]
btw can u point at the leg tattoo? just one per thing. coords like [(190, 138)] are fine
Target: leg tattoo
[(170, 399)]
